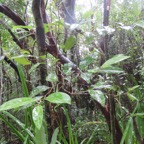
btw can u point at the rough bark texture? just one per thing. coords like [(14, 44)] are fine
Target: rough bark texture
[(40, 36)]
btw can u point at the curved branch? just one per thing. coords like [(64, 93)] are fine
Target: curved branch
[(12, 15), (15, 39), (13, 65)]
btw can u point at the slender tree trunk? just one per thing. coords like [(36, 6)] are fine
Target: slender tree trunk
[(40, 36)]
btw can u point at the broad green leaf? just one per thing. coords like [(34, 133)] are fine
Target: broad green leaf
[(17, 102), (37, 115), (86, 77), (40, 135), (67, 69), (85, 62), (33, 68), (38, 90), (21, 60), (70, 42), (95, 70), (111, 70), (116, 59), (54, 136), (52, 77), (98, 96), (59, 98)]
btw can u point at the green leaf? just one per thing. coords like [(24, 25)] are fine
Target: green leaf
[(140, 119), (116, 59), (21, 60), (98, 96), (33, 68), (126, 131), (67, 69), (102, 85), (37, 90), (23, 80), (25, 52), (86, 77), (138, 114), (52, 77), (85, 62), (59, 98), (17, 102), (133, 88), (111, 70), (19, 123), (54, 136), (46, 28), (95, 70), (40, 135), (132, 97), (137, 7), (21, 27), (37, 115), (140, 24), (12, 128), (70, 42)]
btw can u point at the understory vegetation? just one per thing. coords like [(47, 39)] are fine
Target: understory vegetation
[(71, 72)]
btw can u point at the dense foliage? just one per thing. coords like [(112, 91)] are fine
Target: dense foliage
[(71, 72)]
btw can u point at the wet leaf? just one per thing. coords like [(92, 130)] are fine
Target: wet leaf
[(38, 90), (59, 98), (70, 42), (17, 102), (116, 59), (37, 115), (98, 96)]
